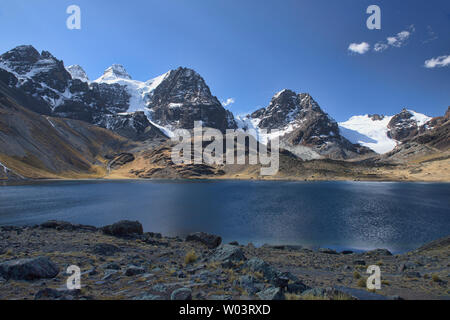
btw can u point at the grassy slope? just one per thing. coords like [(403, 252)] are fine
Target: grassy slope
[(37, 146)]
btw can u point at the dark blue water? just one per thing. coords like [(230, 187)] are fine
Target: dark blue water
[(357, 215)]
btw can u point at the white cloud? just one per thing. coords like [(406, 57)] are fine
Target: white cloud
[(228, 102), (360, 48), (442, 61), (380, 47), (397, 41)]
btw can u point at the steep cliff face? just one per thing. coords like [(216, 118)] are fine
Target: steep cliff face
[(406, 125), (173, 100), (183, 98), (39, 146), (303, 127)]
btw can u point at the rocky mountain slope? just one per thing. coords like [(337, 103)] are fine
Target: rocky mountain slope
[(40, 146), (303, 127), (148, 112), (173, 100), (124, 262)]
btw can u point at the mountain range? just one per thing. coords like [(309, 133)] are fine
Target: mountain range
[(148, 112)]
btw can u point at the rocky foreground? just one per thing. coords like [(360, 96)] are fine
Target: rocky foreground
[(122, 262)]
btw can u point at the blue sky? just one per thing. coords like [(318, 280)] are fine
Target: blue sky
[(250, 49)]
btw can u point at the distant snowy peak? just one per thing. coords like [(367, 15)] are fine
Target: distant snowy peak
[(302, 126), (77, 72), (285, 109), (369, 131), (383, 133), (116, 71)]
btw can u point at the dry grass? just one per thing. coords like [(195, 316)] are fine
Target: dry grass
[(362, 282), (191, 257), (435, 278), (292, 296)]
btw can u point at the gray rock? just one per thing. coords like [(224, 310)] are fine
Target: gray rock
[(407, 265), (271, 294), (108, 274), (29, 269), (112, 266), (90, 272), (297, 287), (379, 252), (327, 251), (181, 294), (359, 262), (105, 249), (159, 288), (259, 265), (248, 284), (211, 241), (134, 270), (315, 292), (227, 254), (412, 274), (272, 275), (124, 228)]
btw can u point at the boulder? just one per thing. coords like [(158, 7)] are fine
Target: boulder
[(274, 276), (259, 265), (248, 284), (271, 294), (124, 228), (29, 269), (227, 254), (209, 240), (134, 270), (181, 294), (112, 266)]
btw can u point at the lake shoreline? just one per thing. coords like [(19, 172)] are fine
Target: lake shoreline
[(34, 181), (123, 262)]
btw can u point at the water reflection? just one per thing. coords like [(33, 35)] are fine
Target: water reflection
[(396, 216)]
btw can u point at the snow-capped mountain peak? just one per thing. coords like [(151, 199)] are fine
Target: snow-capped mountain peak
[(116, 71), (77, 72), (383, 133)]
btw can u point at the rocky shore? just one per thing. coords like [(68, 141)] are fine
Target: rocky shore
[(121, 261)]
